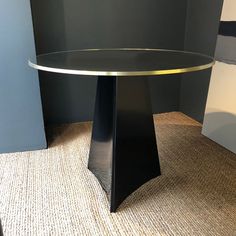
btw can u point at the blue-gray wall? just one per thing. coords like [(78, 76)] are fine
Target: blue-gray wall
[(21, 123)]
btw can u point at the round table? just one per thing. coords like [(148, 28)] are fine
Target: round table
[(123, 152)]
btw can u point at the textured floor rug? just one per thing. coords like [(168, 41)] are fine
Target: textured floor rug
[(51, 192)]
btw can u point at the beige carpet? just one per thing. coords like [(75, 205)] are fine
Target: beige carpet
[(51, 192)]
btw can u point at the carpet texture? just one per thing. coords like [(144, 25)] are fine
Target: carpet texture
[(51, 192)]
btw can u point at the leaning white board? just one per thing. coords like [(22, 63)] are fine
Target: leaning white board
[(220, 115)]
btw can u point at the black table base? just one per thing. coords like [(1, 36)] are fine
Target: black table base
[(123, 153)]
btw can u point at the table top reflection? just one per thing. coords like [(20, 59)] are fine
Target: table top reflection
[(122, 62)]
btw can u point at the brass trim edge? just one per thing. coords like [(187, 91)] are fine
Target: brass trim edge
[(125, 73)]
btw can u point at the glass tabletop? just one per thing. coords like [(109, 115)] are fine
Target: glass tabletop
[(122, 62)]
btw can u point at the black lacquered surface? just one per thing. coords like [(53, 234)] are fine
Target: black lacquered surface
[(122, 62), (123, 153)]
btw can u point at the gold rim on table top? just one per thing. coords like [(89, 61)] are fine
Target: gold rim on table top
[(125, 73)]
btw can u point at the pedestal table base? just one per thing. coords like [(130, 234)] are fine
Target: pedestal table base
[(123, 153)]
